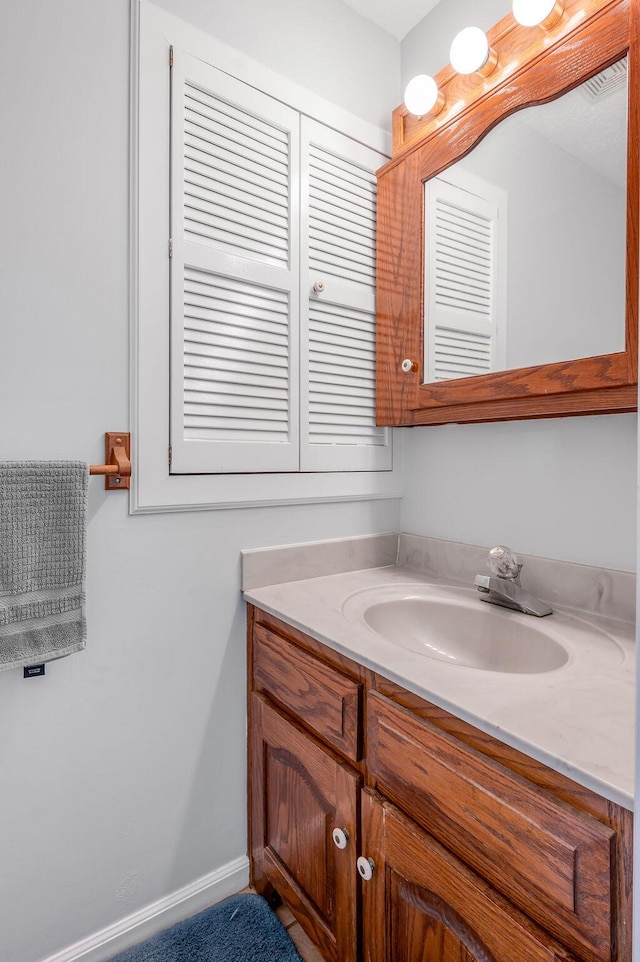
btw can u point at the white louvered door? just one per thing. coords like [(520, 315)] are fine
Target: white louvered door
[(465, 277), (234, 275), (337, 305)]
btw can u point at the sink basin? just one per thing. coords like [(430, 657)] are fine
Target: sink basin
[(461, 635), (453, 626)]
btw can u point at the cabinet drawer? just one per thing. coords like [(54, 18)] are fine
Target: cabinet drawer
[(327, 701), (550, 859)]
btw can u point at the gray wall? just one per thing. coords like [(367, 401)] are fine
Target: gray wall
[(122, 770), (327, 47), (561, 488)]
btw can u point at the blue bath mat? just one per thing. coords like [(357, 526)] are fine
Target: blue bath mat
[(240, 929)]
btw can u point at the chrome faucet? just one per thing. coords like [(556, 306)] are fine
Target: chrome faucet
[(505, 588)]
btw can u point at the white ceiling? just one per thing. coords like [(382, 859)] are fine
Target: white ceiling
[(593, 131), (397, 17)]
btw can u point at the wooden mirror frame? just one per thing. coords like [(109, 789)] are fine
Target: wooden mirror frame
[(534, 66)]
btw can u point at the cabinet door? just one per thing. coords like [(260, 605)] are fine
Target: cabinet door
[(337, 305), (300, 794), (234, 275), (423, 905)]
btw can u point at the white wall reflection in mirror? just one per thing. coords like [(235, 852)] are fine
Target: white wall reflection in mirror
[(525, 238)]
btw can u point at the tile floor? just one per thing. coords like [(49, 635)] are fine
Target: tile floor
[(306, 949), (298, 936)]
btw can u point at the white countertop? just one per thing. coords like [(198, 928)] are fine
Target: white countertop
[(577, 719)]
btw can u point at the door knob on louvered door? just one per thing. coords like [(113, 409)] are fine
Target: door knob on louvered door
[(318, 287), (340, 837), (365, 868)]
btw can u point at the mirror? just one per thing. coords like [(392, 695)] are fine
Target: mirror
[(549, 142), (525, 238)]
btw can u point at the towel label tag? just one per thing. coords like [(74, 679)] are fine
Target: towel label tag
[(32, 671)]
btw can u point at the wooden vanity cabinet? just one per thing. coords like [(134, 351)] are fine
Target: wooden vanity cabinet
[(479, 852)]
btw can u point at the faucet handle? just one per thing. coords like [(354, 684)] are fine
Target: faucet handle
[(503, 563)]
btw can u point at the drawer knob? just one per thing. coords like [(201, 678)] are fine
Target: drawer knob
[(365, 867), (318, 287), (408, 365), (340, 837)]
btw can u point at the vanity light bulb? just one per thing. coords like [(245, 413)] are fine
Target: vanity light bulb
[(421, 95), (533, 13), (470, 51)]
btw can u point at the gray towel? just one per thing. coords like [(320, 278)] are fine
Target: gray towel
[(42, 560)]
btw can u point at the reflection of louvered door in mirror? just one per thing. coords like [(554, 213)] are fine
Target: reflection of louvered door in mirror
[(465, 268), (338, 428), (234, 275)]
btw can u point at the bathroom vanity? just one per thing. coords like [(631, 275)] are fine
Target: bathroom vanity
[(433, 780), (406, 808)]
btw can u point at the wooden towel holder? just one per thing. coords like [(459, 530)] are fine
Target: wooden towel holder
[(117, 455)]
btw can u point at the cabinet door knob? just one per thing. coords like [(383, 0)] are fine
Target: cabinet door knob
[(409, 365), (340, 837), (318, 287), (366, 867)]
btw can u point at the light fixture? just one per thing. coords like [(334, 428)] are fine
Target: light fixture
[(423, 97), (470, 52), (534, 13)]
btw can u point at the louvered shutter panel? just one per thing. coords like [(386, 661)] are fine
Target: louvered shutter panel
[(465, 277), (338, 430), (234, 275)]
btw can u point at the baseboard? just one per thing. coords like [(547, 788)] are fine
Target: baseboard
[(129, 931)]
